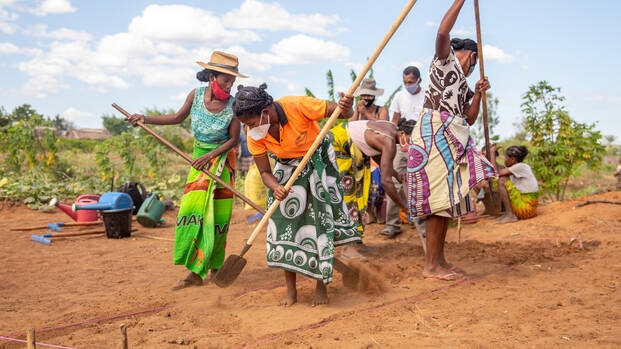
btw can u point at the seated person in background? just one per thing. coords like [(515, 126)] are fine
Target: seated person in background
[(517, 185)]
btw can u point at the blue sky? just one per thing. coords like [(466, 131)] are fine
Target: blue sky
[(75, 58)]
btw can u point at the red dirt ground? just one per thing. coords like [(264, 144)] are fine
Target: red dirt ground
[(519, 292)]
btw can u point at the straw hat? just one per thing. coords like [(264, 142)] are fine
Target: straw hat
[(367, 87), (224, 63)]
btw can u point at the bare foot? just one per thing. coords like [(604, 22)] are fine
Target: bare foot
[(441, 273), (290, 299), (190, 280), (321, 294), (507, 218), (452, 267)]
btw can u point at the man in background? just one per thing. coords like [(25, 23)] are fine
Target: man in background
[(408, 104)]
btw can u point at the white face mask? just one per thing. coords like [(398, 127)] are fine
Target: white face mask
[(259, 132)]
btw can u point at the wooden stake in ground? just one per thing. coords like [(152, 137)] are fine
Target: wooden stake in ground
[(31, 338), (234, 264), (123, 336), (459, 230)]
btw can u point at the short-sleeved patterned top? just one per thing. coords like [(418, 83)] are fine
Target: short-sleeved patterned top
[(210, 127), (448, 89), (298, 118)]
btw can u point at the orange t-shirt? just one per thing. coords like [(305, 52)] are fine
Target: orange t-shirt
[(298, 118)]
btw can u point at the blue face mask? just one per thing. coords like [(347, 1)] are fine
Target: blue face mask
[(412, 88)]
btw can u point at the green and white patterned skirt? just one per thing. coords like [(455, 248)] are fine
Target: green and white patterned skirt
[(311, 221)]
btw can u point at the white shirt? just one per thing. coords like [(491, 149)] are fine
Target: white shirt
[(408, 105), (523, 178)]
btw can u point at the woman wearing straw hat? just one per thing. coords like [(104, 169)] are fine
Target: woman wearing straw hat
[(205, 209), (366, 109)]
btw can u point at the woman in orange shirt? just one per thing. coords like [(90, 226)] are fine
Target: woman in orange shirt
[(313, 218)]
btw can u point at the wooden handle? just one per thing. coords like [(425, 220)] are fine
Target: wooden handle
[(70, 224), (482, 70), (189, 160), (31, 339), (326, 128)]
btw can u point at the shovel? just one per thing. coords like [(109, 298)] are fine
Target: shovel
[(342, 268), (234, 264)]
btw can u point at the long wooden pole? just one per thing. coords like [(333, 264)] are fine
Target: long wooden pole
[(189, 160), (326, 128), (482, 70)]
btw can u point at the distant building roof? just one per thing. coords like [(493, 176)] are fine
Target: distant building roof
[(39, 130), (88, 133)]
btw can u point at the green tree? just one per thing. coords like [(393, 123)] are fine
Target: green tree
[(559, 144), (115, 125), (60, 123)]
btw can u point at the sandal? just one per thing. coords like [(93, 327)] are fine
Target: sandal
[(391, 234), (450, 276)]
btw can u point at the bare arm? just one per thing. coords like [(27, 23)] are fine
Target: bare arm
[(505, 172), (383, 114), (263, 164), (388, 155), (388, 150), (346, 103), (232, 142), (472, 110), (234, 132), (443, 38), (395, 118), (176, 118), (356, 115), (264, 167)]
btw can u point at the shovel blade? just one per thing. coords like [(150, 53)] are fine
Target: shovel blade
[(230, 270), (350, 276)]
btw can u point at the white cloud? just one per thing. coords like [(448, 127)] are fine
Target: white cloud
[(493, 53), (356, 66), (254, 14), (41, 30), (417, 64), (291, 86), (462, 32), (432, 24), (6, 19), (181, 96), (8, 48), (81, 118), (185, 24), (53, 7), (303, 49), (41, 86), (158, 55)]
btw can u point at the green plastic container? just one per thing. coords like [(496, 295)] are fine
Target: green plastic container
[(150, 213)]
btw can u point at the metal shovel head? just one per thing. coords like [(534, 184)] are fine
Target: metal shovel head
[(350, 276), (493, 203), (230, 270)]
